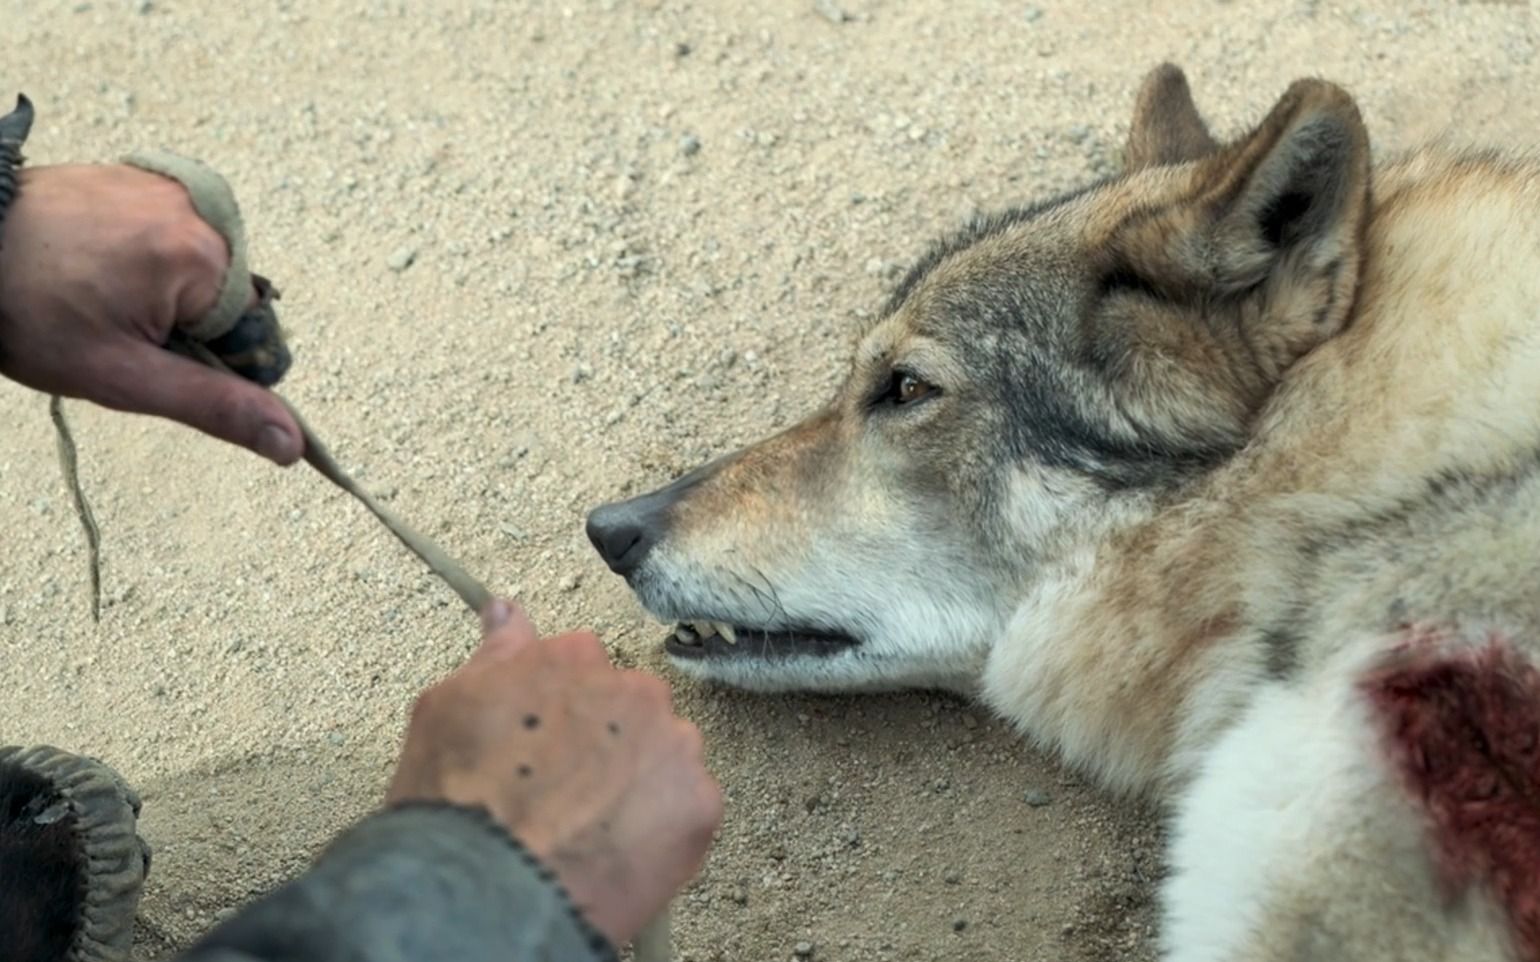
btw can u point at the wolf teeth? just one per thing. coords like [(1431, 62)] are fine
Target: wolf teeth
[(686, 636), (705, 629)]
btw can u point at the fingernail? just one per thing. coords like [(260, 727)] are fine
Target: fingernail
[(495, 615), (277, 445)]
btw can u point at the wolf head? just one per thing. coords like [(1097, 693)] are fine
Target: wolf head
[(1033, 383)]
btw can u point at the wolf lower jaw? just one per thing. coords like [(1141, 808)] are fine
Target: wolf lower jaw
[(847, 672), (829, 659)]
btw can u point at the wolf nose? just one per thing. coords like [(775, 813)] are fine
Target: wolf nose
[(625, 531), (622, 535)]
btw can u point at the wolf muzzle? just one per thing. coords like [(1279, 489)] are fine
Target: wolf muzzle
[(624, 532)]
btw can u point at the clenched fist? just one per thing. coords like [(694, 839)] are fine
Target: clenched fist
[(587, 765), (98, 264)]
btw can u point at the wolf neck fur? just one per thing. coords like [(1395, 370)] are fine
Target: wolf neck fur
[(1146, 646)]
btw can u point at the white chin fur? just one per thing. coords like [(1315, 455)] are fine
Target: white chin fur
[(913, 635), (847, 672)]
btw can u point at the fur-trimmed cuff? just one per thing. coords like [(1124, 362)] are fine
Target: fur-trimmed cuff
[(77, 831), (14, 128)]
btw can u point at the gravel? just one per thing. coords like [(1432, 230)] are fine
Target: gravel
[(573, 265)]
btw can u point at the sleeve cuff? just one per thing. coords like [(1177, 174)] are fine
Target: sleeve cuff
[(417, 882), (526, 860)]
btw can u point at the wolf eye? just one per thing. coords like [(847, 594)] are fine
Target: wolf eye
[(906, 388)]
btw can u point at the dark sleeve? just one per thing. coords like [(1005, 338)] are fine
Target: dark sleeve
[(413, 884)]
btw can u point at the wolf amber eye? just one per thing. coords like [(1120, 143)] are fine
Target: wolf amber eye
[(907, 388)]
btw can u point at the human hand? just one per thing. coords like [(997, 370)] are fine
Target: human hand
[(585, 764), (98, 265)]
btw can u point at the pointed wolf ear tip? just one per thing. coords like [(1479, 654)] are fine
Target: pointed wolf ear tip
[(1166, 72), (1317, 90)]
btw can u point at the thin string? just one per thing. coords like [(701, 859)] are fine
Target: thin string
[(69, 460), (653, 944)]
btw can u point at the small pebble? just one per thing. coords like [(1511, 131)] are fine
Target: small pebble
[(402, 259), (959, 924), (830, 11), (689, 145), (803, 950), (1036, 798)]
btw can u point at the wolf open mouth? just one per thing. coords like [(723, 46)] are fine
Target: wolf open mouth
[(716, 639)]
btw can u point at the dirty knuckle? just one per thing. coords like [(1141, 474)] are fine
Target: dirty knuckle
[(426, 705), (649, 689), (690, 738), (709, 809), (189, 245), (708, 793), (579, 645)]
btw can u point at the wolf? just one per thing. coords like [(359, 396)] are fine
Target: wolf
[(1220, 478)]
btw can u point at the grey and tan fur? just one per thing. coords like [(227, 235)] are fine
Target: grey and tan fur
[(1160, 471)]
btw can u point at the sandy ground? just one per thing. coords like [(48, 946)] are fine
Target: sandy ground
[(534, 256)]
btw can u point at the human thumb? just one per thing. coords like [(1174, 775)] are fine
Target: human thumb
[(164, 384)]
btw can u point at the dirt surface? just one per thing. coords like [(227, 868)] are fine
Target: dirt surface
[(537, 255)]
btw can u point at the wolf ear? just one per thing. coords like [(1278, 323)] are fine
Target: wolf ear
[(1166, 127), (1267, 243), (1288, 202)]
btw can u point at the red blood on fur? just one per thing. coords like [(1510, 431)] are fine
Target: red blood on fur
[(1462, 727)]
